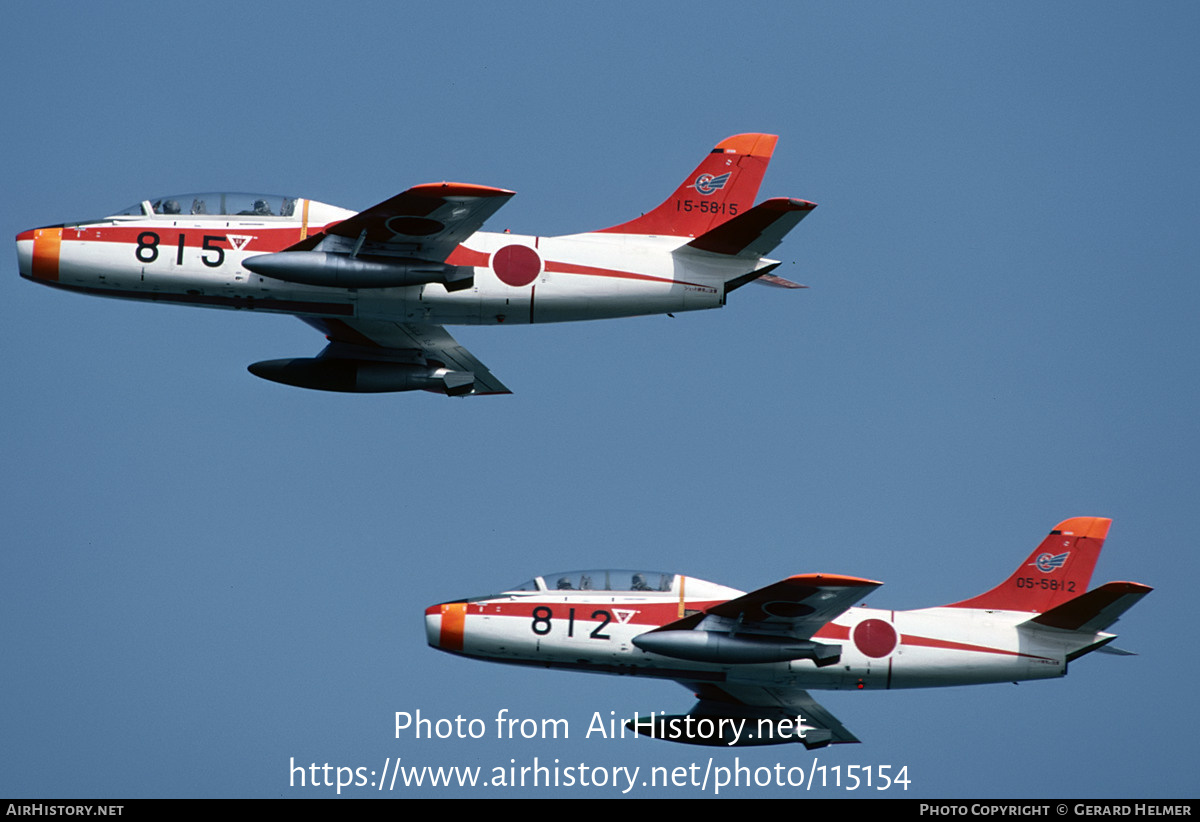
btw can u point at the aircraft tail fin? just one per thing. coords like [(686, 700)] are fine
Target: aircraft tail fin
[(1057, 571), (723, 186)]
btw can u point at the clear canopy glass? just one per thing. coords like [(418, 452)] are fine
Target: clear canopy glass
[(219, 203), (601, 580)]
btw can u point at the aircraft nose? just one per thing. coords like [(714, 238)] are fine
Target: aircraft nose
[(37, 253), (444, 625), (433, 625)]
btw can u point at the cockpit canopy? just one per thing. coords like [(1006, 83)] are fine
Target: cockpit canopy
[(219, 203), (601, 580)]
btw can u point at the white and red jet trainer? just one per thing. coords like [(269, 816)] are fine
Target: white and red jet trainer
[(380, 284), (751, 658)]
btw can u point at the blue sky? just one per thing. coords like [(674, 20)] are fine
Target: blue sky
[(207, 575)]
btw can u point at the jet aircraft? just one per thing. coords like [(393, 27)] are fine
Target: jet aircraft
[(751, 658), (380, 284)]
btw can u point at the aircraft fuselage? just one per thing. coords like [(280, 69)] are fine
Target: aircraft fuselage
[(198, 260), (880, 649), (755, 656), (381, 284)]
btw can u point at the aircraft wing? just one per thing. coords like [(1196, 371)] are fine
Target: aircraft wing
[(427, 222), (749, 715), (799, 605), (392, 341), (776, 702)]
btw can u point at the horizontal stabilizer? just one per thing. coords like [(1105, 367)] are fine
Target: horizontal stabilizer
[(761, 275), (754, 233), (1115, 651), (775, 281), (1095, 610)]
